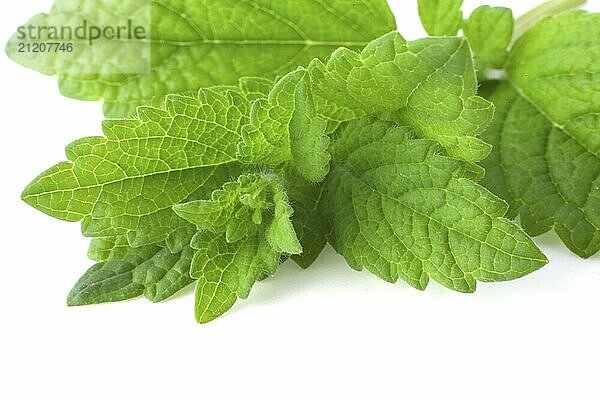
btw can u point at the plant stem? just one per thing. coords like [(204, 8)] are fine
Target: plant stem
[(549, 8)]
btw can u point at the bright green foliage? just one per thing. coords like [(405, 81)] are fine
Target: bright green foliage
[(104, 283), (490, 32), (430, 83), (112, 278), (226, 271), (401, 209), (239, 209), (546, 134), (195, 44), (546, 137), (180, 239), (441, 17), (406, 80), (243, 231), (127, 182), (253, 88), (285, 128), (225, 184)]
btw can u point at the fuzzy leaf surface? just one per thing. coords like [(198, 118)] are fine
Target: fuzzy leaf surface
[(285, 128), (112, 280), (227, 271), (243, 231)]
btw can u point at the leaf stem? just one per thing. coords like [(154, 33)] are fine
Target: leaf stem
[(547, 9)]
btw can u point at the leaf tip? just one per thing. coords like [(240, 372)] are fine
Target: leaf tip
[(73, 299)]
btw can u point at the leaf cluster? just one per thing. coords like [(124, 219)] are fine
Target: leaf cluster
[(541, 72), (387, 150)]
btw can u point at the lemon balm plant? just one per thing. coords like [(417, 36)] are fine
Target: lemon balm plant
[(333, 133)]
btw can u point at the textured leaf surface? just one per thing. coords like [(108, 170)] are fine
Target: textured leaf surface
[(243, 231), (124, 272), (441, 17), (400, 209), (108, 248), (289, 123), (105, 283), (546, 159), (226, 271), (242, 208), (431, 83), (112, 280), (197, 44), (131, 178), (490, 31), (165, 274), (285, 128)]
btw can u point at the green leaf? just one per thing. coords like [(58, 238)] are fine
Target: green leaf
[(441, 17), (243, 231), (180, 238), (400, 209), (490, 31), (242, 207), (398, 198), (411, 81), (546, 137), (194, 44), (104, 283), (547, 9), (126, 272), (280, 233), (254, 88), (284, 128), (227, 206), (108, 248), (388, 76), (226, 271), (165, 274), (131, 178), (112, 280)]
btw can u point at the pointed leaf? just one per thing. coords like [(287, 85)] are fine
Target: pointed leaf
[(280, 233), (131, 178), (129, 272), (226, 271)]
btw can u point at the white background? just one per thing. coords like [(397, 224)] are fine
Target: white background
[(328, 331)]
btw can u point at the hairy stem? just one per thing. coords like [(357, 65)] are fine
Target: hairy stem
[(549, 8)]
